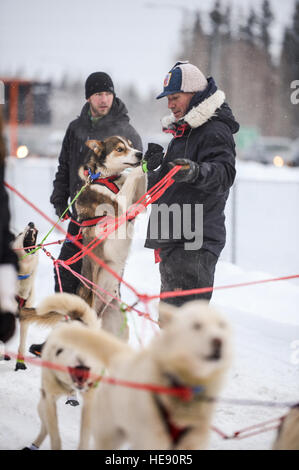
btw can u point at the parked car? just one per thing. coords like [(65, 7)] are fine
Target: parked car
[(276, 151), (295, 153)]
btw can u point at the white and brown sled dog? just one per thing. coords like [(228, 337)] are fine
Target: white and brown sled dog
[(74, 370), (288, 433), (28, 264), (109, 196), (193, 350)]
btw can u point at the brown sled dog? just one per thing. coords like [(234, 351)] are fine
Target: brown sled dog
[(110, 195)]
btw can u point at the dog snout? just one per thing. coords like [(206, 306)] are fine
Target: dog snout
[(79, 374), (139, 155), (217, 347)]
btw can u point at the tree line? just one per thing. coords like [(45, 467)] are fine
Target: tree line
[(238, 54)]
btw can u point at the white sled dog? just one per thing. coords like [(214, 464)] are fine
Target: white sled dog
[(110, 195), (26, 280), (288, 433), (75, 372), (193, 350)]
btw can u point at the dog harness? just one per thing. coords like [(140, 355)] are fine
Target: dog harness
[(108, 181), (21, 301), (174, 431)]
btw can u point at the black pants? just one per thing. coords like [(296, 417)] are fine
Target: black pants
[(186, 269), (68, 280)]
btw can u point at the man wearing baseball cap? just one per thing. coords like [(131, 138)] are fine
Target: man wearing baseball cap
[(102, 116), (189, 243)]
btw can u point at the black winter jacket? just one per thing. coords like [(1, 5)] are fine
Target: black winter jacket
[(74, 150), (208, 140), (7, 255)]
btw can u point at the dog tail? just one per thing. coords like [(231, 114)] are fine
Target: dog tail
[(53, 308), (71, 305), (99, 344)]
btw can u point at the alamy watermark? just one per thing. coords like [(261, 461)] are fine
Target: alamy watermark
[(174, 222), (295, 94)]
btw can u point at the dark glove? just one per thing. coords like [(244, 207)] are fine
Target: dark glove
[(153, 157), (60, 208), (189, 171)]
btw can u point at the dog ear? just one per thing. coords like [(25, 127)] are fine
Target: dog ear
[(167, 313), (96, 146)]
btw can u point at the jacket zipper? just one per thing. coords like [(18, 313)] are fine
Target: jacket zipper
[(186, 146)]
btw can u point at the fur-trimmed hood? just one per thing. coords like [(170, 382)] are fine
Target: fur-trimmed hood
[(198, 114)]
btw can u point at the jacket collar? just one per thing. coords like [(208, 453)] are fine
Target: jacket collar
[(200, 114), (118, 112)]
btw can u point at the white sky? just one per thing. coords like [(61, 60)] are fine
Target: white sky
[(129, 39)]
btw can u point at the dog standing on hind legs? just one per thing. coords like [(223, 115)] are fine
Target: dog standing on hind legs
[(26, 281), (107, 198)]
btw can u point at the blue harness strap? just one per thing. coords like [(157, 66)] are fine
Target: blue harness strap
[(24, 276), (93, 176)]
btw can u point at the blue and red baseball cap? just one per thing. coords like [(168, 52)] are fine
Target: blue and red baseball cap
[(183, 78)]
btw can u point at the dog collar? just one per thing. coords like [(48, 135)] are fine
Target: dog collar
[(174, 381), (174, 431), (23, 276)]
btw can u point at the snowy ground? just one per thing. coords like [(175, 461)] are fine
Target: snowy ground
[(265, 321)]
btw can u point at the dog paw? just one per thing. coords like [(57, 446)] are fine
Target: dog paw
[(32, 447), (20, 366)]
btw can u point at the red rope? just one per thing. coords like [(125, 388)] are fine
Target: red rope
[(180, 293), (41, 246), (58, 276), (73, 239), (154, 192), (86, 281), (148, 198), (256, 429), (184, 393)]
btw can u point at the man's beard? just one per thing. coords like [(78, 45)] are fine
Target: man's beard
[(96, 113)]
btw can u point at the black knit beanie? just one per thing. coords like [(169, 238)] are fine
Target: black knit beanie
[(98, 82)]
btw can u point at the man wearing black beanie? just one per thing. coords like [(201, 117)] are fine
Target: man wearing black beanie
[(102, 116)]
